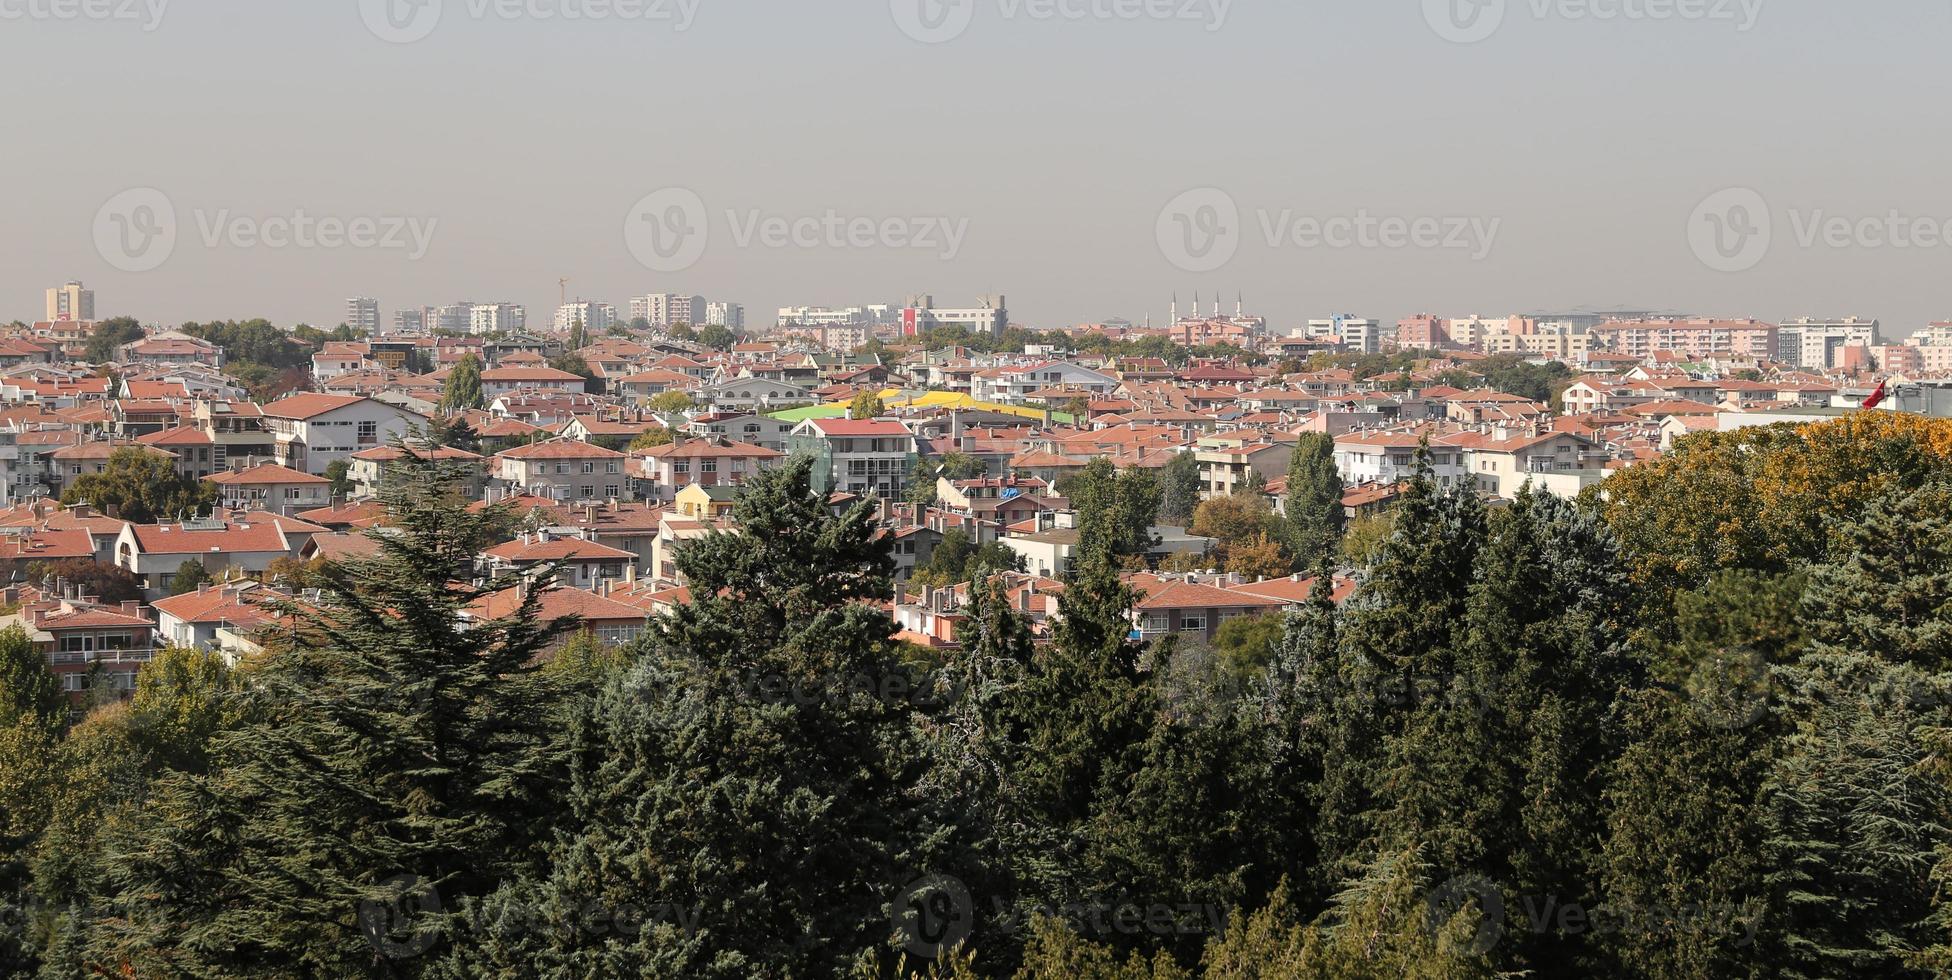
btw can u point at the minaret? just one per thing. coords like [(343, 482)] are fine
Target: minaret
[(1240, 306), (1196, 304), (1175, 318), (1216, 306)]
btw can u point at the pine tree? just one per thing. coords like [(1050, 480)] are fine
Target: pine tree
[(401, 759), (1853, 829), (1497, 773), (1683, 829), (747, 790), (1395, 641), (1889, 594)]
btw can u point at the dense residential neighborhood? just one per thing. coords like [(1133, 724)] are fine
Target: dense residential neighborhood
[(1281, 643), (977, 436)]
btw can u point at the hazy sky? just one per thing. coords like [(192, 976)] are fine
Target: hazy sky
[(1046, 148)]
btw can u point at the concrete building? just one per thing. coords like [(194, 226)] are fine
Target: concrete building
[(70, 301), (311, 430), (487, 318), (1820, 343), (729, 315), (667, 309), (595, 317), (565, 470), (1692, 338), (872, 457), (990, 318), (363, 314)]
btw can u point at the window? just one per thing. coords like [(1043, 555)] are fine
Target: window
[(1192, 624), (610, 490), (611, 467), (708, 466), (589, 467), (369, 433), (293, 493), (681, 467), (588, 491)]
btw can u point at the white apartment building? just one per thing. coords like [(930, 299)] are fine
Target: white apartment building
[(1820, 342), (310, 430), (454, 317), (595, 317), (666, 309), (1388, 457), (486, 318), (992, 317), (730, 315), (822, 316), (363, 314)]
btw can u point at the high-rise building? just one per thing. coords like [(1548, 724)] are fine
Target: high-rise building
[(666, 309), (487, 318), (1425, 331), (454, 317), (69, 301), (725, 315), (363, 314), (1821, 342), (593, 316), (410, 321)]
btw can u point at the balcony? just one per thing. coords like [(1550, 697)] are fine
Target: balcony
[(69, 658)]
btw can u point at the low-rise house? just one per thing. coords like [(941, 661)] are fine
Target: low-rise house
[(664, 471), (576, 562), (196, 619), (90, 645), (309, 431), (368, 466), (243, 546), (565, 470), (1181, 604), (270, 487)]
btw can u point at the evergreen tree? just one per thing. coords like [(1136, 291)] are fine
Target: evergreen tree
[(1313, 506), (1395, 642), (747, 788), (1683, 830), (1889, 592), (462, 389), (1179, 489), (1852, 827), (401, 760)]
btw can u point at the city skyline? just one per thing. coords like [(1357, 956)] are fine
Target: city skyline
[(1583, 197)]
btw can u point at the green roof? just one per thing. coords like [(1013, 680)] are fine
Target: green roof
[(811, 412)]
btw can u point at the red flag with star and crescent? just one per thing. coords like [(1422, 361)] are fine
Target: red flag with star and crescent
[(1878, 396)]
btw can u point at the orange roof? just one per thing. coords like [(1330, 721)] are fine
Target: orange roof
[(264, 473)]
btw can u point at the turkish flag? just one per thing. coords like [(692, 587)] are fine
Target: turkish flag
[(1878, 396)]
